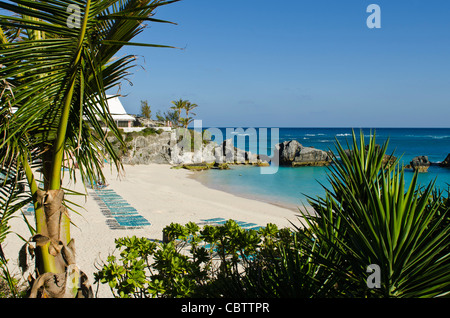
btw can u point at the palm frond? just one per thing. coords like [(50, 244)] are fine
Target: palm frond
[(57, 66), (12, 197)]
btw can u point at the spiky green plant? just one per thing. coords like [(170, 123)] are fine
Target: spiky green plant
[(369, 216)]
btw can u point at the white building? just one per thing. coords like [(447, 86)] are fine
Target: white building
[(118, 113)]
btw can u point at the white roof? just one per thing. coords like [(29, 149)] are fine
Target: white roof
[(115, 106), (117, 110)]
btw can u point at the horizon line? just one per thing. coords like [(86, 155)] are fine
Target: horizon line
[(329, 127)]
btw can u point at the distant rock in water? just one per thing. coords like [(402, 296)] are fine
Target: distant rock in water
[(294, 154), (420, 163), (446, 162)]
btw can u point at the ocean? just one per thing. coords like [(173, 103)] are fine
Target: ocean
[(290, 186)]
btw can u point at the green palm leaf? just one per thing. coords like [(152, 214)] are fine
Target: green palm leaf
[(58, 75)]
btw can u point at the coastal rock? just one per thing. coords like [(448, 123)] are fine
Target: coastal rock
[(288, 151), (208, 153), (446, 162), (181, 153), (175, 149), (389, 160), (197, 166), (221, 166), (227, 153), (420, 163), (148, 149), (261, 163), (294, 154), (179, 156)]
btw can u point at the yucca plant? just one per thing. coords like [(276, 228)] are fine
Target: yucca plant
[(58, 58), (370, 217)]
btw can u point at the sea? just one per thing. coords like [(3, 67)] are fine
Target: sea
[(291, 187)]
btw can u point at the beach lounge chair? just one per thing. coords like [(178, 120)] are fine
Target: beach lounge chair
[(120, 214)]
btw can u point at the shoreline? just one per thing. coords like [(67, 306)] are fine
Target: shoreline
[(161, 196), (194, 176)]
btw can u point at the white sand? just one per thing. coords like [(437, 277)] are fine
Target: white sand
[(161, 195)]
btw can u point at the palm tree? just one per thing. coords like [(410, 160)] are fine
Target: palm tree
[(188, 107), (177, 107), (185, 121), (58, 73)]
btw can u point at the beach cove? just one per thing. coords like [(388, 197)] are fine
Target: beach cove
[(290, 187), (161, 196)]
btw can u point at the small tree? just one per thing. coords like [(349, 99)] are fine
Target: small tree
[(146, 112)]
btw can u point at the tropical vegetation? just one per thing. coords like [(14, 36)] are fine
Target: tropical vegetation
[(58, 58), (174, 114), (146, 111), (371, 235)]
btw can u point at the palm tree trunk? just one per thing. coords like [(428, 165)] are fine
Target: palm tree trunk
[(53, 223)]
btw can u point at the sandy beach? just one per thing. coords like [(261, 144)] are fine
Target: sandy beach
[(161, 195)]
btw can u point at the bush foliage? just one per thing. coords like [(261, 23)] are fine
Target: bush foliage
[(368, 217)]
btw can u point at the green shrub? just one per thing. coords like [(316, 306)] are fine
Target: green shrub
[(128, 137), (192, 261), (149, 269), (149, 131)]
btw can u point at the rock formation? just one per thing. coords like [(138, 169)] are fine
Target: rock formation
[(446, 162), (175, 149), (227, 153), (169, 148), (420, 163), (155, 148), (292, 153)]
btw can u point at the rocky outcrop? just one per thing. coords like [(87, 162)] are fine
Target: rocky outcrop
[(420, 163), (446, 162), (227, 153), (294, 154), (156, 148), (169, 148)]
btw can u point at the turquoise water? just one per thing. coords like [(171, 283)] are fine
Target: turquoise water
[(289, 186)]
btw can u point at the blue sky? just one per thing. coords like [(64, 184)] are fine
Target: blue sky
[(298, 63)]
